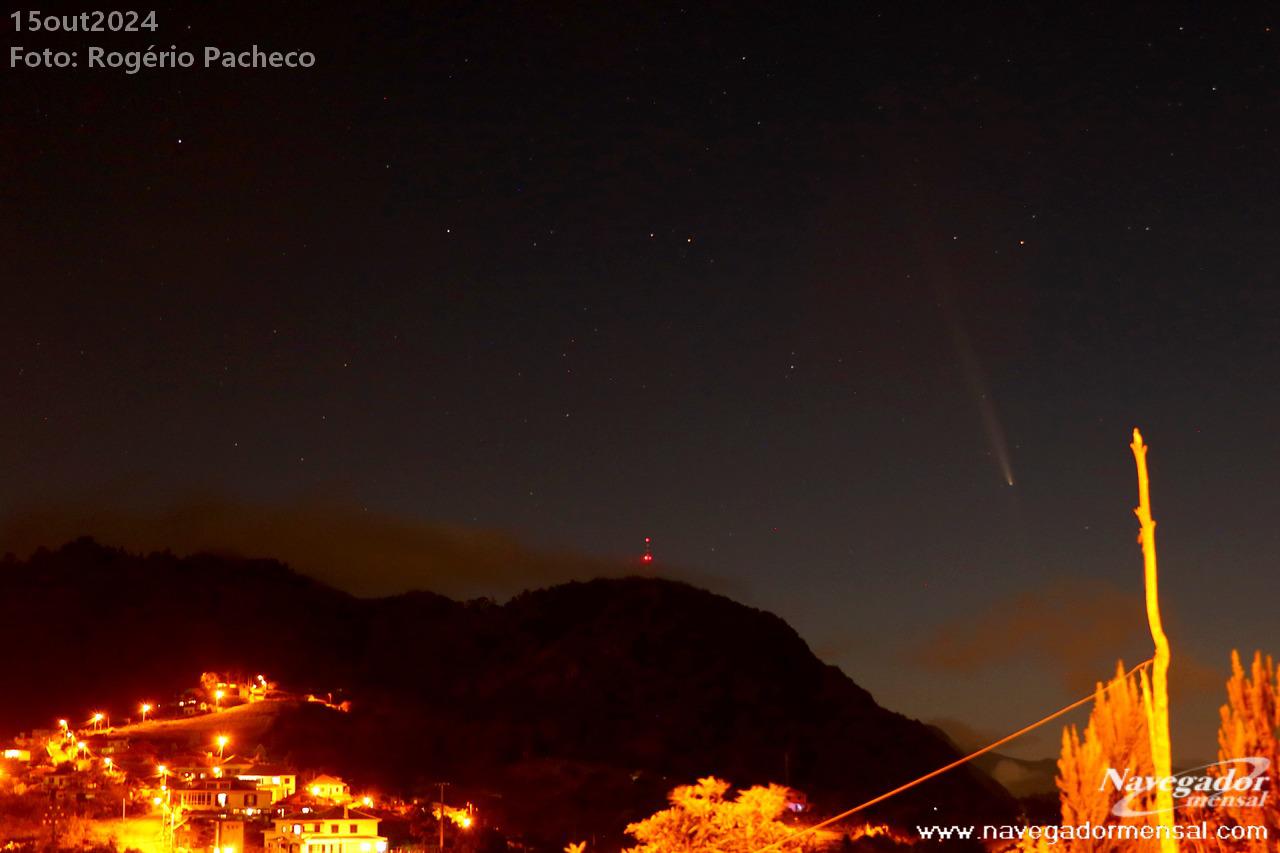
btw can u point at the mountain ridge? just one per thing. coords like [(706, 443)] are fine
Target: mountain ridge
[(601, 693)]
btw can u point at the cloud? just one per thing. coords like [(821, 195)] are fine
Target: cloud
[(1078, 629), (366, 553), (968, 737)]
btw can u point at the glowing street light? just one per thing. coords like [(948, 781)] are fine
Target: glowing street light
[(146, 707), (97, 719), (222, 742), (217, 699)]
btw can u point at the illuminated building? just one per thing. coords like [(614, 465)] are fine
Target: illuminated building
[(224, 796), (276, 781), (334, 830), (329, 788)]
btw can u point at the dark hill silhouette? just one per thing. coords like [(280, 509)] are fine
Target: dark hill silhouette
[(572, 709)]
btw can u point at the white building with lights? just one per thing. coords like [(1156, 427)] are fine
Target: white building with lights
[(335, 830)]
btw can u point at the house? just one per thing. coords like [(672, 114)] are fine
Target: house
[(223, 796), (339, 829), (60, 785), (112, 745), (208, 766), (276, 781), (329, 788), (213, 834)]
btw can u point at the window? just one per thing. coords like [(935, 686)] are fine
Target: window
[(333, 828), (354, 829)]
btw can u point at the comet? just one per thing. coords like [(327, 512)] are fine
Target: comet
[(977, 382)]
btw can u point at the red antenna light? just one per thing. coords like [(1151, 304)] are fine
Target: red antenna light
[(648, 551)]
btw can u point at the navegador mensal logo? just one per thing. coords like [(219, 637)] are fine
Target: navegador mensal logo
[(1228, 788)]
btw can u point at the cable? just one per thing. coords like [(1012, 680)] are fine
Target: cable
[(925, 778)]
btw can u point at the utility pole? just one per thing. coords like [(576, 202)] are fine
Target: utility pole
[(442, 785), (1155, 696)]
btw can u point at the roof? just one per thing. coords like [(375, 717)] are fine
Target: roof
[(216, 785), (326, 779), (331, 813), (270, 770)]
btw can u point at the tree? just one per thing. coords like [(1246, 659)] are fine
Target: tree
[(703, 819), (1250, 723), (1115, 737)]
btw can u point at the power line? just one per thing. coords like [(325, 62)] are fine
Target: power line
[(925, 778)]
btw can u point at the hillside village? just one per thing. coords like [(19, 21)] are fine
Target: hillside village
[(169, 778)]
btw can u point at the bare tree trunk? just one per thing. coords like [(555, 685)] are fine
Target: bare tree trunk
[(1158, 713)]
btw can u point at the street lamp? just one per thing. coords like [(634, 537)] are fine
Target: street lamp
[(96, 719), (145, 708), (217, 699), (222, 742), (164, 776)]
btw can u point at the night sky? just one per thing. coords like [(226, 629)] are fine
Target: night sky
[(488, 296)]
